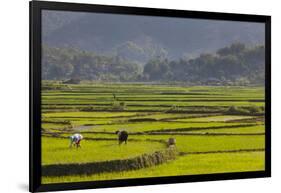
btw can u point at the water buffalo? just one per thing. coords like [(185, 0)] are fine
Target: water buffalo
[(122, 136)]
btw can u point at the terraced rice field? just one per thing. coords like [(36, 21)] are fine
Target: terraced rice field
[(210, 136)]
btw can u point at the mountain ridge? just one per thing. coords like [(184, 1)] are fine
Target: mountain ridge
[(172, 37)]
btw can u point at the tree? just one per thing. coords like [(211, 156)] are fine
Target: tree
[(156, 68), (233, 49)]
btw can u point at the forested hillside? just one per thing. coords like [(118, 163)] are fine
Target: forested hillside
[(234, 64)]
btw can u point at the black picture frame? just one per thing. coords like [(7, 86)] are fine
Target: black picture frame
[(35, 94)]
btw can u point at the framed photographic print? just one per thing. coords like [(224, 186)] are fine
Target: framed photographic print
[(125, 96)]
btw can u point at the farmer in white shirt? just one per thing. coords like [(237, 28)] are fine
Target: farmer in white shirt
[(75, 140)]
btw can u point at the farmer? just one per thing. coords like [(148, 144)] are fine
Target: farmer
[(75, 140), (171, 142), (122, 136)]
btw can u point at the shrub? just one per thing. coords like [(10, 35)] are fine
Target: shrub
[(233, 110), (118, 105), (251, 110), (88, 109), (255, 109)]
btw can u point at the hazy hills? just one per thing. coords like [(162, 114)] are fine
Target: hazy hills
[(140, 38)]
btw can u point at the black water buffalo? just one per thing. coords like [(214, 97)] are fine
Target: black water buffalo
[(122, 136)]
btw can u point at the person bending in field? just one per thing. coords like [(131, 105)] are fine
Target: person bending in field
[(122, 136), (75, 140)]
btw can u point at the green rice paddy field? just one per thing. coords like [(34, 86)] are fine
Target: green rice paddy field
[(217, 129)]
